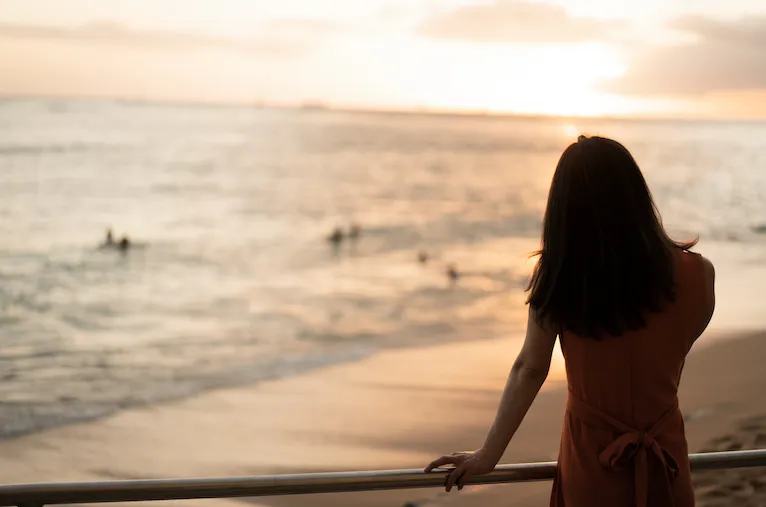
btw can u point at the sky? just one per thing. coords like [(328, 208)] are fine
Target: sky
[(689, 58)]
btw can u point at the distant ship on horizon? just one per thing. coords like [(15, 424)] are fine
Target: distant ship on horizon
[(314, 105)]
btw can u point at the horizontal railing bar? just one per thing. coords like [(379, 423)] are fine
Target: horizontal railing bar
[(301, 484)]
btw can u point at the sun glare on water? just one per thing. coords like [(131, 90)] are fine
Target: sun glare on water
[(570, 131)]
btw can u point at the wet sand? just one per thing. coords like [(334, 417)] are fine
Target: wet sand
[(397, 409)]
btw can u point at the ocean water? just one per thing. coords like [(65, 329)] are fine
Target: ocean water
[(231, 279)]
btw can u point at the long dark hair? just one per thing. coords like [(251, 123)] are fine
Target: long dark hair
[(605, 259)]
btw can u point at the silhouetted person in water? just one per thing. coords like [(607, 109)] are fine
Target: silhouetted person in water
[(453, 273), (124, 244), (354, 231), (109, 238), (422, 257), (336, 238)]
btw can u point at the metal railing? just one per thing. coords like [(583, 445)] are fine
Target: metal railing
[(37, 495)]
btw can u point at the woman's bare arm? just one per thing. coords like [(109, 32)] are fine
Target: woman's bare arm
[(527, 376)]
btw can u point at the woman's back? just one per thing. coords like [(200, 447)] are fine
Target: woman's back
[(635, 376), (623, 403)]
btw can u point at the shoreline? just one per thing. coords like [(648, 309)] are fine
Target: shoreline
[(309, 364), (350, 416), (398, 408), (300, 366)]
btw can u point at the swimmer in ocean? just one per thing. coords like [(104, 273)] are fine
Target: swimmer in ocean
[(336, 237), (354, 231), (124, 244), (109, 241), (453, 273)]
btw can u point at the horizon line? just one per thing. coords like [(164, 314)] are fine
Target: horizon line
[(320, 106)]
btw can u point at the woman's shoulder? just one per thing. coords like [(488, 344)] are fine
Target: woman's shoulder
[(699, 263)]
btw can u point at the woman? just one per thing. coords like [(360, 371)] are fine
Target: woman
[(627, 303)]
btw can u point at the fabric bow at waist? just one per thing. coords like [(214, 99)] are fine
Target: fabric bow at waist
[(631, 446)]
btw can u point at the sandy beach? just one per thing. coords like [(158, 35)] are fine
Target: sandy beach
[(397, 409), (231, 282)]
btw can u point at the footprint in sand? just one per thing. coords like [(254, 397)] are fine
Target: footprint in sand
[(742, 487), (757, 423), (724, 443)]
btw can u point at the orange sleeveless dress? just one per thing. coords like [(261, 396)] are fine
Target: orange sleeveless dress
[(623, 441)]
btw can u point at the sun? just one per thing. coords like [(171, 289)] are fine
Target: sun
[(562, 80)]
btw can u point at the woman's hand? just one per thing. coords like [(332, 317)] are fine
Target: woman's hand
[(467, 464)]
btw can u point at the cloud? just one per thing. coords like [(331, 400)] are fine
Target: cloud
[(723, 55), (281, 38), (510, 21)]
